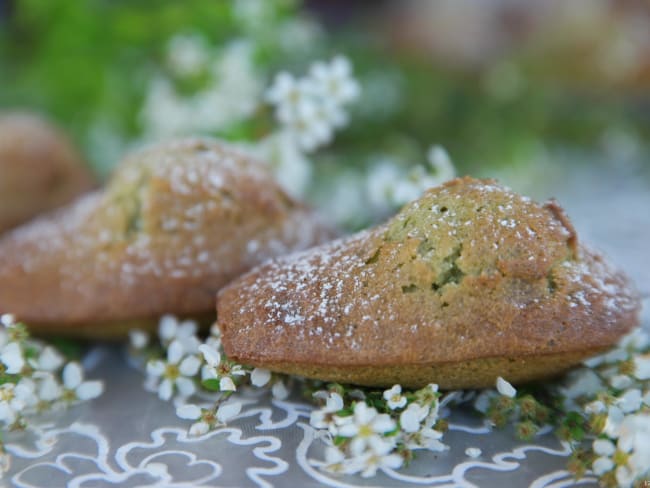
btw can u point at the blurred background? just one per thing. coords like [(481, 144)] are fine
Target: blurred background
[(514, 89)]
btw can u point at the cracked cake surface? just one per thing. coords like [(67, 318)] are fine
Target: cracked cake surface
[(176, 222), (470, 282)]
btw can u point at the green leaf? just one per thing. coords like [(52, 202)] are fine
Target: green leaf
[(211, 384)]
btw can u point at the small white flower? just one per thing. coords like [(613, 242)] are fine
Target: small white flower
[(637, 340), (170, 329), (394, 398), (334, 80), (505, 388), (138, 338), (176, 373), (12, 358), (7, 319), (368, 463), (483, 400), (289, 95), (187, 54), (411, 419), (579, 383), (322, 418), (441, 163), (206, 419), (642, 367), (366, 427), (220, 370), (473, 452), (75, 388), (260, 377), (15, 399)]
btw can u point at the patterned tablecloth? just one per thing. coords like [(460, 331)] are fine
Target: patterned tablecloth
[(129, 438)]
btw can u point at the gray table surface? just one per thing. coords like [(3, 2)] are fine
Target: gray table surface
[(129, 438)]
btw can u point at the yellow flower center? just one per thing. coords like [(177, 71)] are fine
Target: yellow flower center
[(620, 458), (172, 372), (365, 431)]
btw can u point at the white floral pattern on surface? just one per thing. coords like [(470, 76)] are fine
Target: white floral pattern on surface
[(269, 443)]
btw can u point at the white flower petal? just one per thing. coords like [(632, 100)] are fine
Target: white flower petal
[(155, 367), (167, 327), (473, 452), (199, 428), (89, 390), (228, 411), (260, 377), (72, 375), (392, 461), (410, 419), (138, 338), (188, 411), (208, 372), (165, 390), (190, 366), (7, 319), (49, 389), (383, 423), (358, 446), (505, 388), (348, 430), (187, 328), (604, 447), (363, 414), (185, 386), (227, 384), (175, 352), (334, 402), (642, 367), (602, 465), (280, 391), (212, 356), (49, 359), (12, 357), (630, 401)]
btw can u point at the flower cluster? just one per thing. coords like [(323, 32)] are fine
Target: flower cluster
[(35, 377), (181, 365), (372, 431), (613, 394), (230, 96), (390, 186), (602, 410), (311, 108)]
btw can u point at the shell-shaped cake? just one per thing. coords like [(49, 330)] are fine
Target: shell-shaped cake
[(468, 283), (176, 222), (40, 169)]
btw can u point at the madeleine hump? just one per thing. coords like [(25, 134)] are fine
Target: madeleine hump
[(468, 283), (176, 222)]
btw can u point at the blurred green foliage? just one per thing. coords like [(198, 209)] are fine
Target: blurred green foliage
[(89, 62)]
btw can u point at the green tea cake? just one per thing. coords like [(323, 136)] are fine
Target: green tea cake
[(468, 283)]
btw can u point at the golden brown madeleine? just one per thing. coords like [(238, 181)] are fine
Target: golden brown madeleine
[(39, 169), (470, 282), (176, 223)]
